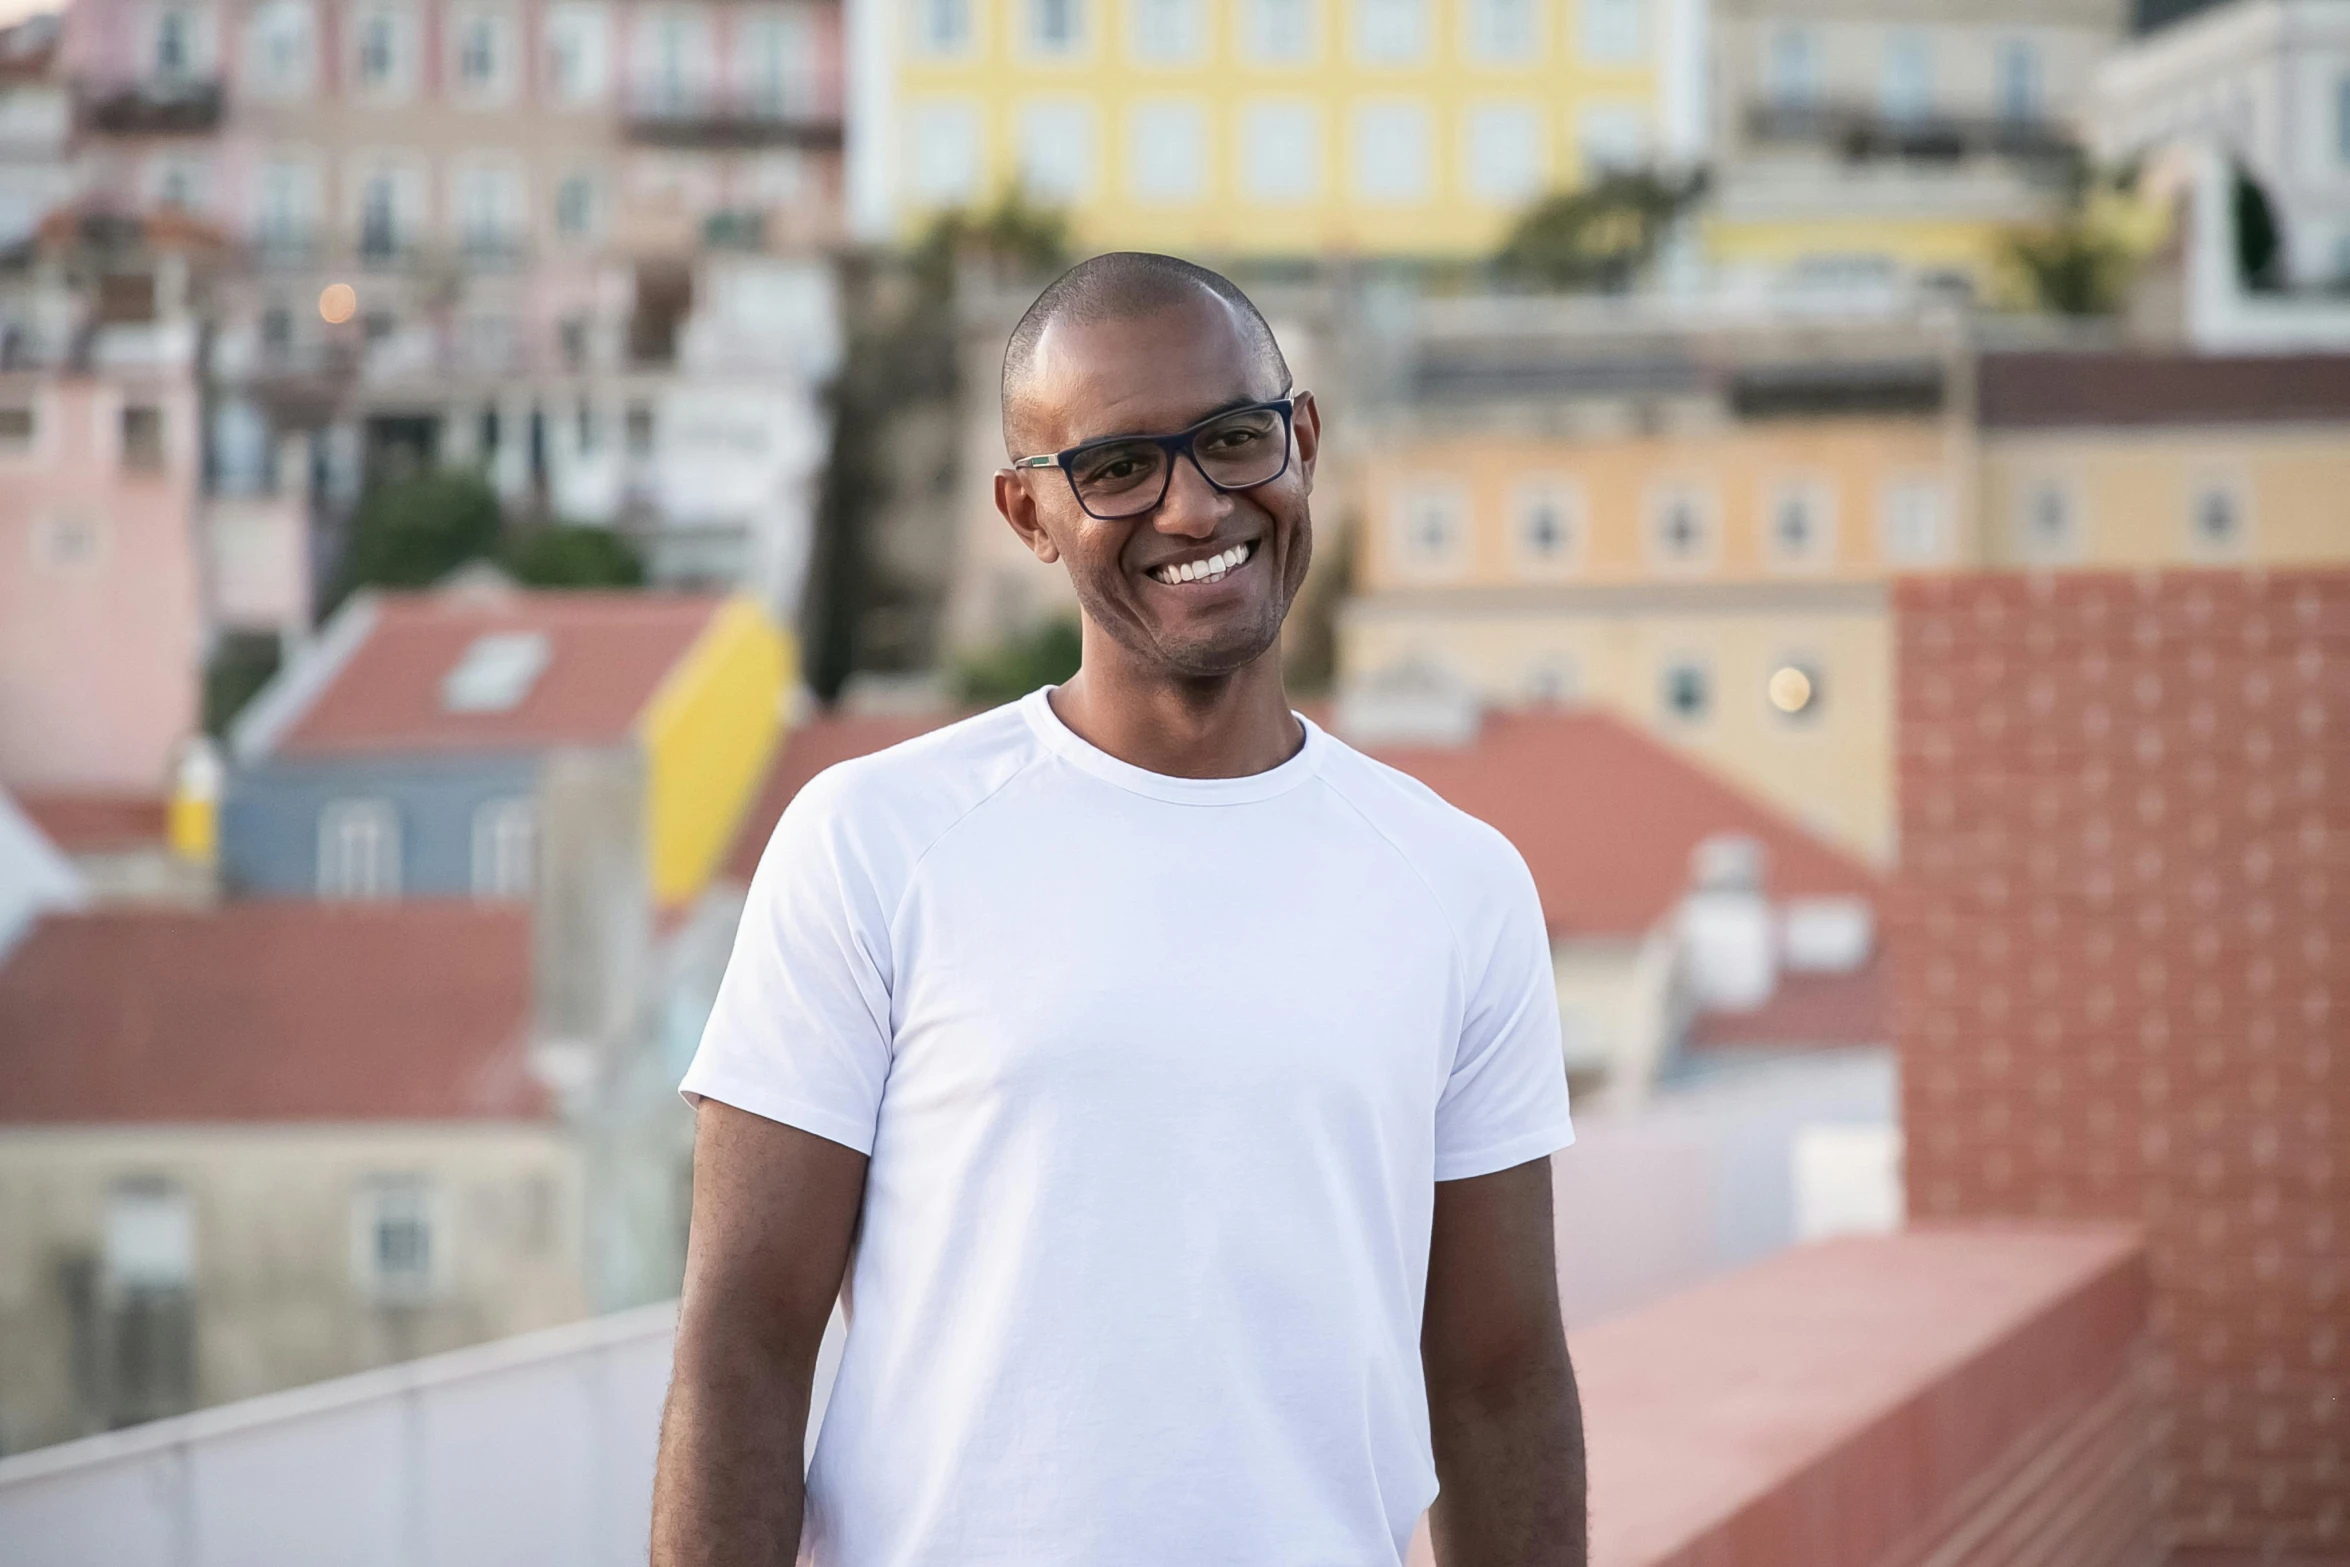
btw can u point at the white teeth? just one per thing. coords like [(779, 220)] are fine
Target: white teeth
[(1209, 570)]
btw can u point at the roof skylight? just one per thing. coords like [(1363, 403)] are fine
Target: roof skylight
[(496, 673)]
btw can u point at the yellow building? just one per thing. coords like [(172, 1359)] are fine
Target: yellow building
[(1710, 558), (1263, 127), (1853, 141)]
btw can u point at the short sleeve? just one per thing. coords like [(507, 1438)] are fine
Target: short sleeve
[(800, 1032), (1505, 1101)]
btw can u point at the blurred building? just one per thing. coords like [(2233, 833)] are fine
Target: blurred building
[(36, 123), (245, 1148), (464, 742), (1697, 530), (2267, 84), (1268, 128), (581, 246), (2120, 952), (1855, 143)]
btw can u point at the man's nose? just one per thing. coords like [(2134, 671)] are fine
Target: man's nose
[(1193, 508)]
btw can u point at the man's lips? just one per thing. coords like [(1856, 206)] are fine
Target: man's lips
[(1205, 568)]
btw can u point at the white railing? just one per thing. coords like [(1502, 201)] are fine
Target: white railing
[(534, 1449)]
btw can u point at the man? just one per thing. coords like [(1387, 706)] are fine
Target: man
[(1172, 1087)]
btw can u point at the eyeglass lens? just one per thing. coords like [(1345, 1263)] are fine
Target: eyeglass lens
[(1125, 478)]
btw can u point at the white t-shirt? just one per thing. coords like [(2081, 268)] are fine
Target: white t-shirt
[(1157, 1076)]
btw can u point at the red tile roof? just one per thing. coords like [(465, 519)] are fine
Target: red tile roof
[(1605, 816), (811, 747), (270, 1011), (608, 653), (1807, 1011), (93, 823)]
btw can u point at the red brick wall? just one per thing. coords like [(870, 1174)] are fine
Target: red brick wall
[(2122, 936)]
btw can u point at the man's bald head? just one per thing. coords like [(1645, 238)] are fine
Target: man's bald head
[(1121, 286)]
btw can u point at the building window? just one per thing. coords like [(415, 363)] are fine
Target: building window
[(1056, 150), (575, 206), (477, 53), (282, 46), (1800, 529), (359, 850), (148, 1274), (1795, 689), (1612, 31), (576, 53), (1911, 525), (1909, 76), (396, 1246), (1391, 152), (1504, 32), (1680, 527), (1551, 680), (175, 44), (942, 28), (1280, 32), (1391, 32), (17, 429), (2216, 527), (1792, 69), (1504, 152), (2018, 87), (637, 431), (1056, 26), (1431, 529), (1168, 157), (1280, 152), (70, 541), (1612, 138), (1549, 529), (2342, 118), (142, 438), (379, 221), (945, 147), (2048, 524), (379, 50), (1166, 32), (505, 848), (779, 51), (1686, 692)]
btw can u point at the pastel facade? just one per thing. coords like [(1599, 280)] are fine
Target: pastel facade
[(1857, 142), (477, 743), (100, 590), (1265, 127)]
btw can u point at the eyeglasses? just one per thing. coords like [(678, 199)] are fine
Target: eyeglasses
[(1127, 475)]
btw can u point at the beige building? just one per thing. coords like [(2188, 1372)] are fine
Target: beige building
[(1699, 536), (244, 1149)]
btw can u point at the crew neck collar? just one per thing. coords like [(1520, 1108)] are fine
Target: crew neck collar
[(1074, 748)]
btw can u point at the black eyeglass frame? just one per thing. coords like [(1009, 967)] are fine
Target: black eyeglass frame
[(1178, 445)]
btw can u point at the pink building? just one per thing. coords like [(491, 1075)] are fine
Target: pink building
[(100, 636)]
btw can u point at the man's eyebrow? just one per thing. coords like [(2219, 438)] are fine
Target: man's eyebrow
[(1244, 400)]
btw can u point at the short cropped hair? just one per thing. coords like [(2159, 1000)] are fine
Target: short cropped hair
[(1120, 286)]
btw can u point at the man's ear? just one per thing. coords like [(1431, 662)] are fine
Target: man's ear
[(1306, 426), (1019, 509)]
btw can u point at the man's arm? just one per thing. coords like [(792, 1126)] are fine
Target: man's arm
[(1502, 1409), (774, 1210)]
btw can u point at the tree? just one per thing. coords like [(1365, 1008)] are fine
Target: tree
[(1601, 236), (2083, 263), (2259, 243), (563, 556), (410, 533), (1045, 656)]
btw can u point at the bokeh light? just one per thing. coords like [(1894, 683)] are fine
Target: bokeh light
[(337, 303)]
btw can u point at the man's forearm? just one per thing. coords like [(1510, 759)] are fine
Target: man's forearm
[(1509, 1467), (730, 1488)]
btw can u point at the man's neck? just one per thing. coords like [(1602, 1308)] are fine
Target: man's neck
[(1228, 726)]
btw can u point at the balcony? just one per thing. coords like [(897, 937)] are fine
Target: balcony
[(154, 106), (697, 120), (1861, 133)]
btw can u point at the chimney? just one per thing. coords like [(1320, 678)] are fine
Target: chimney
[(1729, 941)]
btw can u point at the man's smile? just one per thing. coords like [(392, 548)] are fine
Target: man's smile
[(1205, 568)]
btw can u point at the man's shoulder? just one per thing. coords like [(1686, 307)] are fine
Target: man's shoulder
[(887, 806), (1458, 853)]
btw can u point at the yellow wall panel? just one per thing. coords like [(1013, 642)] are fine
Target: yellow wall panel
[(709, 736)]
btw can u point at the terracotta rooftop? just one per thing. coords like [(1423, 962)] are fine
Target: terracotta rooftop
[(1605, 816), (270, 1011), (2055, 390), (94, 823), (606, 655), (1807, 1011)]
